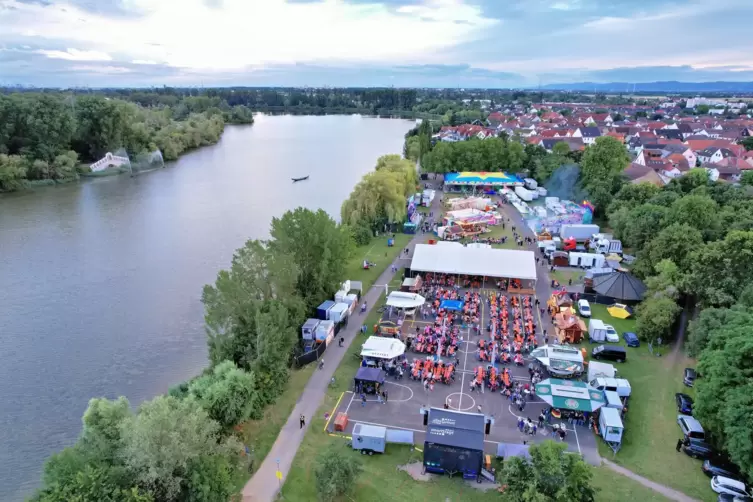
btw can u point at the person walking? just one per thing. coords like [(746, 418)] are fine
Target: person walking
[(679, 445), (386, 396), (363, 400), (302, 421)]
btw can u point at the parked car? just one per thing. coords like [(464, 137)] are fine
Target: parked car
[(689, 376), (612, 335), (684, 403), (723, 497), (691, 428), (631, 339), (719, 467), (721, 484), (610, 352), (584, 308), (699, 449)]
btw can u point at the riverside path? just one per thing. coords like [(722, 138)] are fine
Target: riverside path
[(263, 485)]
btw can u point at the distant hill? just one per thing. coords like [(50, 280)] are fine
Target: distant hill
[(663, 87)]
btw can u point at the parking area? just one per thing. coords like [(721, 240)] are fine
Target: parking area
[(407, 397)]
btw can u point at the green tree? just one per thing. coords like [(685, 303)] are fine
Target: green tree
[(639, 225), (654, 318), (336, 474), (412, 149), (12, 172), (747, 142), (601, 170), (676, 242), (317, 246), (561, 148), (632, 195), (699, 212), (666, 282), (708, 323), (721, 269), (747, 177), (258, 280), (90, 484), (228, 394), (166, 439), (723, 395), (102, 419), (551, 475)]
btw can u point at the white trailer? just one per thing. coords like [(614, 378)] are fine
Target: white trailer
[(524, 194), (427, 197), (597, 330), (580, 232), (586, 260), (610, 425)]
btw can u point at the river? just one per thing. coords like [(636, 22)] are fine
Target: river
[(100, 281)]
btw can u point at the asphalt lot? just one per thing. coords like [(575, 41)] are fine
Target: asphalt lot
[(407, 397)]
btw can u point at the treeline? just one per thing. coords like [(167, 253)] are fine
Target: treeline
[(695, 241), (487, 155), (379, 198), (183, 446), (44, 136)]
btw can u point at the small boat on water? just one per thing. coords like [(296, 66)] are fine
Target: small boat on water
[(300, 179)]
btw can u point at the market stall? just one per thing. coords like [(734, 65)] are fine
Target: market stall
[(570, 395), (369, 380)]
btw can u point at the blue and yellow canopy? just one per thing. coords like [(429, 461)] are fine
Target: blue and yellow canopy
[(482, 178)]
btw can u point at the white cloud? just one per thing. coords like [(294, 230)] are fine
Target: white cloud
[(100, 69), (144, 61), (572, 5), (76, 55), (187, 33)]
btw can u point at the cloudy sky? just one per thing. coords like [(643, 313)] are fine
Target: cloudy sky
[(431, 43)]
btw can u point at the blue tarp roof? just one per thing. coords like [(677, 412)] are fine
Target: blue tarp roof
[(370, 375), (451, 305)]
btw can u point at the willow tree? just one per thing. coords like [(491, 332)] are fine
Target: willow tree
[(380, 196)]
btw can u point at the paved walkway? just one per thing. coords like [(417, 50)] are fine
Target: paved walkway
[(264, 486), (664, 490)]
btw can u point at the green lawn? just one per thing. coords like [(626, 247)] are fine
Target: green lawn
[(614, 487), (563, 276), (375, 252), (651, 429)]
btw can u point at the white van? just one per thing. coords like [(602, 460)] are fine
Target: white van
[(618, 385)]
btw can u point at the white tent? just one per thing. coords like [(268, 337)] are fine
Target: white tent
[(382, 348), (464, 213), (402, 300), (504, 263)]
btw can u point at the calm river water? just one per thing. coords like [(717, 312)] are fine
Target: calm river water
[(100, 282)]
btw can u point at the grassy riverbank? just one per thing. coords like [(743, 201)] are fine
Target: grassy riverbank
[(261, 434)]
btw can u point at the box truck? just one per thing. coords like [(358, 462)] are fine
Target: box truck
[(580, 232)]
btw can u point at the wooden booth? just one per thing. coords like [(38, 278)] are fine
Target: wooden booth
[(568, 327), (560, 301)]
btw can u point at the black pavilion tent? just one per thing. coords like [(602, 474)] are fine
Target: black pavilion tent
[(620, 285)]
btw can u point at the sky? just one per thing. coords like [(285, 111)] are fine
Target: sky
[(345, 43)]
